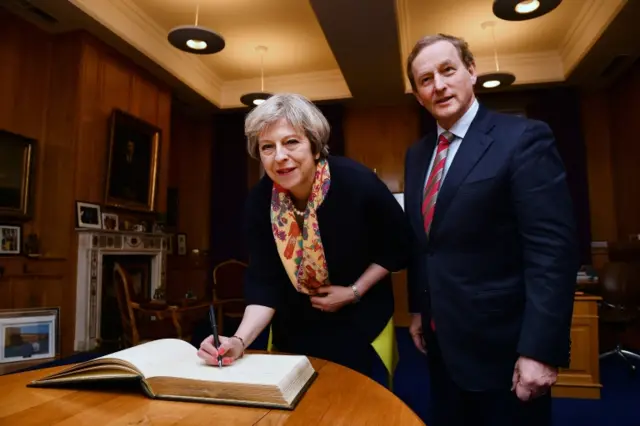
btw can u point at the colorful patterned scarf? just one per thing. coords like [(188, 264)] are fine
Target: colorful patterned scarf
[(301, 253)]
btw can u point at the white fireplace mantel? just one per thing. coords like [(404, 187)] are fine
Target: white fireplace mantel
[(93, 245)]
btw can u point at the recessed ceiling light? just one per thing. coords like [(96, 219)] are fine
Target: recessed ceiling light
[(521, 10)]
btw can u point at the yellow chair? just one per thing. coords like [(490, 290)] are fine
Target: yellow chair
[(385, 346), (270, 341)]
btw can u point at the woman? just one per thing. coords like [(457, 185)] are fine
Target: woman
[(323, 234)]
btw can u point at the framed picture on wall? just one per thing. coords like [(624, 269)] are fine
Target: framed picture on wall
[(182, 244), (16, 175), (132, 171), (28, 334), (10, 240)]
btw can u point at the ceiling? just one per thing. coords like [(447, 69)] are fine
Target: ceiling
[(332, 49)]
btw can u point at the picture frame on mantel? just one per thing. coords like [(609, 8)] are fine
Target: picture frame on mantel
[(17, 165), (88, 215), (132, 169)]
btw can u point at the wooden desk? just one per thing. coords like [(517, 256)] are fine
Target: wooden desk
[(582, 378), (339, 396)]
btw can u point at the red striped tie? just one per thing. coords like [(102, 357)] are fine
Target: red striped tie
[(432, 187)]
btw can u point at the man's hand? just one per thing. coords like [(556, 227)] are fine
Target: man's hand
[(532, 378), (332, 298), (415, 329)]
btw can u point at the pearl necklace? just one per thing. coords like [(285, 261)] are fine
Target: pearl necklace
[(298, 212)]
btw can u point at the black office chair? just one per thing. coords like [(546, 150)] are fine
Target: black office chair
[(620, 291)]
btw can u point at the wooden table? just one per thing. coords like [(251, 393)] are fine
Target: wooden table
[(339, 396)]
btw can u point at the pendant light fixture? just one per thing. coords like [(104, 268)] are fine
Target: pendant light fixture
[(196, 39), (497, 78), (256, 98), (521, 10)]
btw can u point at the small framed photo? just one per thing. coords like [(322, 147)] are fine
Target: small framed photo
[(88, 215), (28, 334), (10, 240), (182, 244), (170, 244), (110, 221)]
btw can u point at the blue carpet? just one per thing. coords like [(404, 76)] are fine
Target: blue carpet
[(618, 405)]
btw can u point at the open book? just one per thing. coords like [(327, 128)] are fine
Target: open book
[(170, 369)]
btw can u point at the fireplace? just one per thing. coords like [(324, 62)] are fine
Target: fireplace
[(138, 267), (95, 262)]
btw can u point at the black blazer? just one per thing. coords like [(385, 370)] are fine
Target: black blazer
[(360, 223), (498, 270)]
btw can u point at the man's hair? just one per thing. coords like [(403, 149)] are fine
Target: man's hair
[(461, 46)]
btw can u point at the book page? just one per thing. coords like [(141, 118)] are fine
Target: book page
[(254, 369), (151, 356)]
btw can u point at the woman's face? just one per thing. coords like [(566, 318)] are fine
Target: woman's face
[(287, 158)]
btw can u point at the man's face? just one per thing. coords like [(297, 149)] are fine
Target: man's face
[(444, 85), (130, 147)]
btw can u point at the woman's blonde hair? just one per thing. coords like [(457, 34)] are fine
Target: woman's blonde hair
[(301, 113)]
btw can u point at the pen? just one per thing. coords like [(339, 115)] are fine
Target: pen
[(214, 328)]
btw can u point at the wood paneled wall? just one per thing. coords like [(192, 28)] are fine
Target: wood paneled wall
[(379, 138), (611, 127), (38, 82), (61, 91), (190, 172)]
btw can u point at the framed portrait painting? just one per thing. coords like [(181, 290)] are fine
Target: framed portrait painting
[(16, 175), (132, 171)]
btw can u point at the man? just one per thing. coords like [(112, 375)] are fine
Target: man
[(492, 278)]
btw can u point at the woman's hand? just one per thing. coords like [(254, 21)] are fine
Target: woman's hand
[(332, 298), (230, 350)]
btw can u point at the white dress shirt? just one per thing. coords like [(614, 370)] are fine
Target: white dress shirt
[(459, 130)]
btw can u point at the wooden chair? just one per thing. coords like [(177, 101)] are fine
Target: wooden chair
[(142, 319), (228, 295)]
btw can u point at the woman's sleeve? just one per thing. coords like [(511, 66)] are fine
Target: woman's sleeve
[(263, 279), (388, 227)]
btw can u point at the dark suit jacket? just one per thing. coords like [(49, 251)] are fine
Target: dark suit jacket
[(360, 223), (497, 272)]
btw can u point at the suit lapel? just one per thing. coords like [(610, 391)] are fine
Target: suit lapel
[(421, 159), (471, 150)]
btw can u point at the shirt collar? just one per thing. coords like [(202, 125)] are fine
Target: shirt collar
[(460, 128)]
